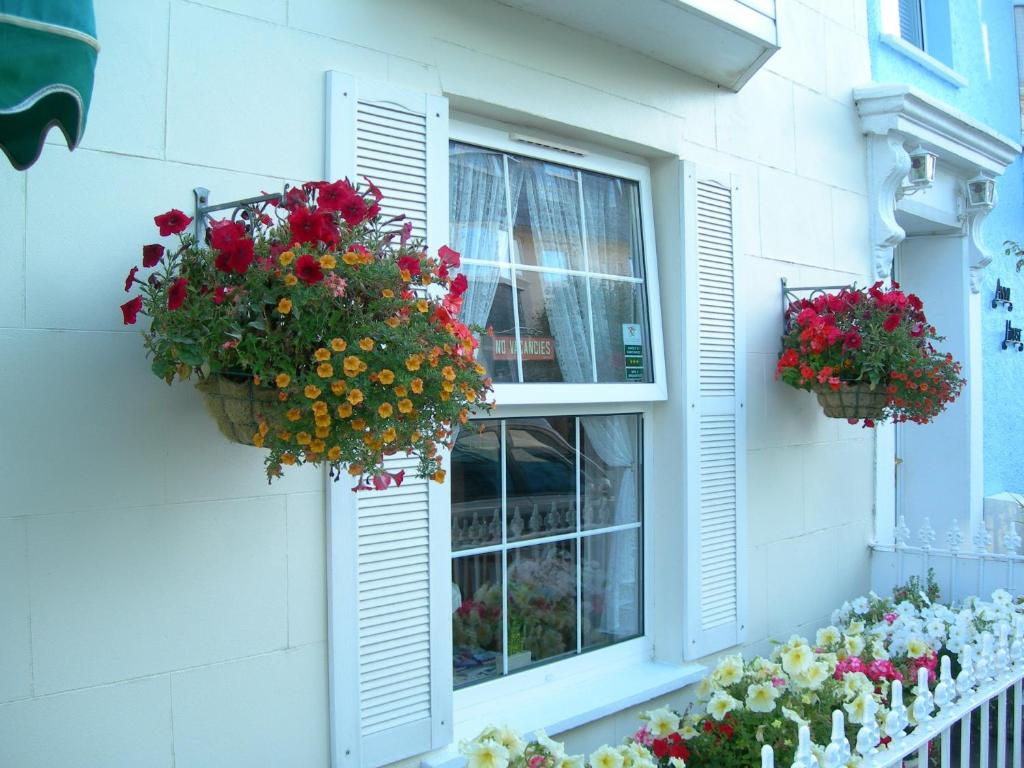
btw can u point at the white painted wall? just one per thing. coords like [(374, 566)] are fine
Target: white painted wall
[(159, 603)]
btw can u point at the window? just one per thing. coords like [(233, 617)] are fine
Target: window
[(546, 541), (547, 508), (1018, 26), (912, 22), (925, 25)]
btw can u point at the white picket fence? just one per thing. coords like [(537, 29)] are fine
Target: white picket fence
[(959, 571), (953, 706)]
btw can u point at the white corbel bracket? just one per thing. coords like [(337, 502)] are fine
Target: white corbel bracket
[(888, 165), (978, 256)]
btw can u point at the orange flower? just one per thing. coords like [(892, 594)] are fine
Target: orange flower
[(327, 261), (422, 305), (286, 258), (323, 419), (294, 414), (352, 365), (323, 431), (282, 380), (406, 275), (385, 410), (338, 387), (339, 345), (325, 370), (317, 445), (344, 410), (371, 442), (387, 293), (322, 354), (463, 416), (319, 407), (284, 306), (447, 386), (405, 405), (417, 386), (386, 376), (393, 322), (351, 258), (448, 372), (358, 425), (287, 458), (479, 369), (415, 436), (282, 396), (302, 438), (290, 280), (413, 362), (355, 469), (389, 435), (283, 434), (334, 453), (311, 392), (438, 476), (257, 440), (263, 429), (355, 397), (366, 344)]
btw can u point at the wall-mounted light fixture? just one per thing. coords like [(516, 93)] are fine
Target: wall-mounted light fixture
[(922, 168), (981, 192), (1002, 296), (1012, 338)]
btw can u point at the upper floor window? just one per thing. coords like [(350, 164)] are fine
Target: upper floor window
[(925, 24), (556, 262)]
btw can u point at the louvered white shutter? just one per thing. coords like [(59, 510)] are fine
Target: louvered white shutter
[(911, 22), (390, 574), (715, 418)]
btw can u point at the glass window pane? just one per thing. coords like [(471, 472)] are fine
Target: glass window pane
[(487, 303), (541, 603), (612, 217), (541, 472), (476, 618), (611, 608), (478, 210), (621, 337), (548, 225), (611, 470), (476, 486), (554, 327)]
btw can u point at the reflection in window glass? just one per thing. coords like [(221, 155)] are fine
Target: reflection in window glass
[(546, 532), (574, 308)]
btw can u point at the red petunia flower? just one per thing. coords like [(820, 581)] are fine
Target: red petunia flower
[(307, 269), (892, 322), (224, 234), (218, 294), (176, 294), (459, 285), (130, 279), (130, 309), (332, 197), (374, 190), (449, 258), (240, 255), (354, 209), (172, 223), (151, 255), (409, 263)]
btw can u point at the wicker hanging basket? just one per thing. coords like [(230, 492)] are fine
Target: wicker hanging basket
[(236, 406), (853, 400)]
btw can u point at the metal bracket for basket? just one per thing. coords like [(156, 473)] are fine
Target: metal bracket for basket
[(789, 295), (247, 209)]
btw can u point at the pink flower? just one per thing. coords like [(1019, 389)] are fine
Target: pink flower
[(778, 682), (229, 344), (536, 761), (889, 618), (336, 285), (643, 736)]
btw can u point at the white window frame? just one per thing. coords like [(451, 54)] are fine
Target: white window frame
[(567, 693), (484, 133), (892, 37)]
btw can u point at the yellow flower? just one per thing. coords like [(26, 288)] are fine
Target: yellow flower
[(334, 453), (405, 405), (263, 428), (448, 372), (294, 414), (417, 386), (286, 258), (389, 435), (323, 420), (438, 476), (323, 431), (406, 275), (328, 262), (282, 380), (447, 387), (351, 258), (302, 438), (366, 344), (371, 442), (463, 416), (385, 410), (290, 280), (422, 305), (415, 436), (257, 440), (284, 306), (325, 370), (352, 365), (393, 322), (355, 469), (399, 391), (338, 387), (386, 376), (311, 392), (387, 293), (339, 345), (355, 397), (358, 425), (287, 458), (319, 407), (317, 445), (283, 434), (479, 369), (344, 410), (413, 362), (322, 354)]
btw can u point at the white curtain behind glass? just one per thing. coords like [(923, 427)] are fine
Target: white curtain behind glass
[(612, 438), (553, 206)]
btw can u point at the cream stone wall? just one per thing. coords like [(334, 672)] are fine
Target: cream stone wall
[(160, 604)]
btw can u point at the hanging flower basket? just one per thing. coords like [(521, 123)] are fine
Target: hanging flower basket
[(238, 407), (868, 355), (853, 400), (339, 330)]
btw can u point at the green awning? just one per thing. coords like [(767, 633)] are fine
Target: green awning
[(47, 60)]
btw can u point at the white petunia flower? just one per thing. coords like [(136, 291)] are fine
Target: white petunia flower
[(662, 722), (916, 647), (677, 762), (721, 704), (485, 754), (761, 697), (555, 748), (828, 636), (860, 605), (797, 659), (606, 757), (729, 670)]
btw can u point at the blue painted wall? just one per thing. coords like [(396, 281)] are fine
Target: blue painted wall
[(983, 50)]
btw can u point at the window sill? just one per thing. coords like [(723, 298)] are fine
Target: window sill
[(570, 703), (930, 63)]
